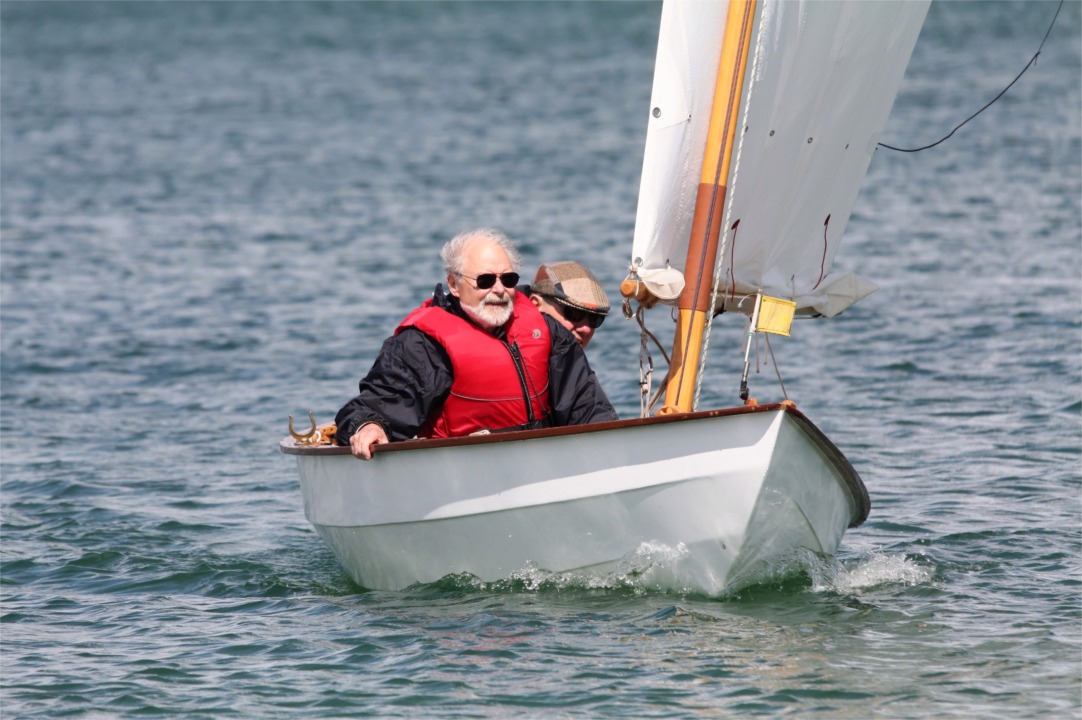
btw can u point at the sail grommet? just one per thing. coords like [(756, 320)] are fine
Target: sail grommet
[(657, 112)]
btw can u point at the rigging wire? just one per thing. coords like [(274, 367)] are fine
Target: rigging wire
[(777, 370), (640, 317), (646, 365), (1003, 92)]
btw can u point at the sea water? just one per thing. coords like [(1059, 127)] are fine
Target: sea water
[(212, 215)]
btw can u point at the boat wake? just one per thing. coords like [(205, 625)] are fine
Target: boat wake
[(872, 571)]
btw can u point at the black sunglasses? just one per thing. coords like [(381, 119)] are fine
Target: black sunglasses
[(488, 280), (575, 315)]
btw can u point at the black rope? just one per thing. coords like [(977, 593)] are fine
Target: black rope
[(1030, 64)]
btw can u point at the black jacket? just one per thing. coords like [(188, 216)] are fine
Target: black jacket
[(412, 377)]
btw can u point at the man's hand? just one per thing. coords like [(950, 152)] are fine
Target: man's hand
[(367, 437)]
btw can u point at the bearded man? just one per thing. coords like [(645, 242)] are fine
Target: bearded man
[(480, 358)]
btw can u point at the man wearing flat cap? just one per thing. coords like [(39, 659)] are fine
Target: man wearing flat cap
[(570, 293)]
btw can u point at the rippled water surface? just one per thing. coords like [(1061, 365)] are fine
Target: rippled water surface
[(212, 215)]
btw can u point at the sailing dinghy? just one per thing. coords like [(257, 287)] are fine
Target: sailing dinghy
[(682, 499)]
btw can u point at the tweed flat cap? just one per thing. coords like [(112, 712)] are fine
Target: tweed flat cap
[(571, 284)]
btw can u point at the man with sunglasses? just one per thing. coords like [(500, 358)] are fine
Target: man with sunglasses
[(479, 358), (569, 292)]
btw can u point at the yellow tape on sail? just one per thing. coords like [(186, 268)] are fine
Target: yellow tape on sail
[(775, 315)]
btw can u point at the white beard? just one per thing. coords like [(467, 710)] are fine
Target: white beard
[(492, 312)]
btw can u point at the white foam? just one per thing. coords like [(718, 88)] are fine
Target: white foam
[(875, 570)]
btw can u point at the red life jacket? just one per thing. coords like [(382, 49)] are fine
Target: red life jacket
[(488, 390)]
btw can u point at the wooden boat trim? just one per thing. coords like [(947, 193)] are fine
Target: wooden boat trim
[(291, 447), (849, 474)]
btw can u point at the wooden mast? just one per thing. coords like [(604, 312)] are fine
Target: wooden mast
[(695, 303)]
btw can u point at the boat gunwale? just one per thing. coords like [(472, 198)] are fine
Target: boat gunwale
[(290, 446)]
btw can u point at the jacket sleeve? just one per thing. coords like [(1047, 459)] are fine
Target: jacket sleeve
[(574, 391), (409, 380)]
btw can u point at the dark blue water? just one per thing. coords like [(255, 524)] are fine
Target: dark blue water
[(211, 214)]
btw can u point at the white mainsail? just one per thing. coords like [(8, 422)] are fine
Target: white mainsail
[(819, 85)]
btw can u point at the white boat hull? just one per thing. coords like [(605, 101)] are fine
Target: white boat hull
[(702, 503)]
